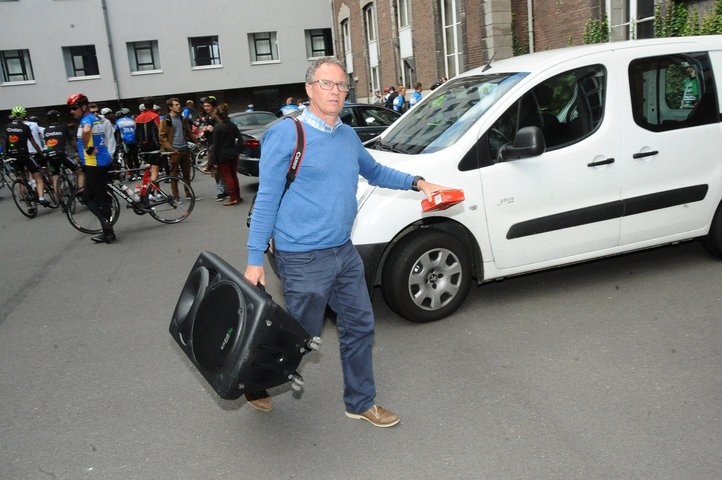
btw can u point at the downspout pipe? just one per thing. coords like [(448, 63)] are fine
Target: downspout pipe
[(110, 50)]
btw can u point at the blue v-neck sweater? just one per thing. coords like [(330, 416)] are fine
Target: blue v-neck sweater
[(319, 208)]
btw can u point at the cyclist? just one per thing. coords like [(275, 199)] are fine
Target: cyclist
[(17, 138), (146, 136), (96, 162), (56, 139), (126, 126)]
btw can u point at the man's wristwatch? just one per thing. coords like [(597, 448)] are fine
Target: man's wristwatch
[(89, 150), (415, 183)]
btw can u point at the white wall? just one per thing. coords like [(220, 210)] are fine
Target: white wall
[(45, 26)]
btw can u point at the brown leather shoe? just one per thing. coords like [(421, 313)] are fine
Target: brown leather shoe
[(259, 400), (229, 203), (379, 417)]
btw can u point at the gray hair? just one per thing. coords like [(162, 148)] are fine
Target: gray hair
[(317, 63)]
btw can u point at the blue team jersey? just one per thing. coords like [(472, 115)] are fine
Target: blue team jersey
[(97, 139), (126, 125), (415, 98)]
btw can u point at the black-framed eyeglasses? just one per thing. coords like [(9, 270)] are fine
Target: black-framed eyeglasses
[(74, 107), (328, 85)]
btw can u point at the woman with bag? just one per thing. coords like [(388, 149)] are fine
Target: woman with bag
[(225, 152)]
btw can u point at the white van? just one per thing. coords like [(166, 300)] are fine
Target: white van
[(563, 155)]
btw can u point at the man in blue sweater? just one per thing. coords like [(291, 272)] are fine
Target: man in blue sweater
[(311, 228)]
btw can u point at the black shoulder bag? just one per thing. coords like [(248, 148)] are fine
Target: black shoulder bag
[(292, 168)]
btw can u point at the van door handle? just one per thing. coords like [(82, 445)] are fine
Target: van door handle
[(645, 154), (606, 161)]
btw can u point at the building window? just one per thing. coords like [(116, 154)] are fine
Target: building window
[(205, 51), (80, 61), (318, 43), (402, 11), (370, 21), (452, 37), (16, 66), (263, 47), (143, 56), (631, 19), (346, 43)]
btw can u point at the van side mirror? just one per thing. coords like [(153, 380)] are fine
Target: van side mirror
[(528, 142)]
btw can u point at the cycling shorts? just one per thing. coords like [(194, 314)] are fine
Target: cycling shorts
[(59, 160), (25, 161), (151, 158)]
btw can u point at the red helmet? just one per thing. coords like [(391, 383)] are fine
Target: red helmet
[(77, 99)]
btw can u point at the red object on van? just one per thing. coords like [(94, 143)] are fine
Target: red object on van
[(442, 200)]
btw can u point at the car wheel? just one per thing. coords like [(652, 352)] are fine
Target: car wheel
[(713, 241), (427, 276)]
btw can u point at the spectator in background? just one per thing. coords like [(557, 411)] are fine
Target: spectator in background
[(400, 101), (175, 133), (190, 113), (415, 97), (146, 136), (225, 152), (391, 97), (289, 107)]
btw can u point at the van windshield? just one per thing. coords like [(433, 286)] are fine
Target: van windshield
[(447, 114)]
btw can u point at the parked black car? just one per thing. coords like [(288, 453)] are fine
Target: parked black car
[(252, 120), (367, 120)]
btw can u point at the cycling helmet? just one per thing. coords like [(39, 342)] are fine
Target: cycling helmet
[(19, 112), (212, 100), (77, 99), (53, 115), (124, 111), (33, 119)]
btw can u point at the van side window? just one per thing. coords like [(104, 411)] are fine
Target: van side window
[(567, 108), (673, 91)]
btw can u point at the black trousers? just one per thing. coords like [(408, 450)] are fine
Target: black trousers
[(95, 194)]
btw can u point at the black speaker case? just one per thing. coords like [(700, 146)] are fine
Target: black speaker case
[(238, 338)]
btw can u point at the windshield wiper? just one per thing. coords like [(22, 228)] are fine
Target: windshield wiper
[(391, 147)]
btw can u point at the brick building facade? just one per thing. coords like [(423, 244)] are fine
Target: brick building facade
[(401, 42)]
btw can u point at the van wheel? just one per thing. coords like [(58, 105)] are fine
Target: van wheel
[(427, 276), (713, 241)]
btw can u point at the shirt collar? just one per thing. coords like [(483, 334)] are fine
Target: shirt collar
[(314, 121)]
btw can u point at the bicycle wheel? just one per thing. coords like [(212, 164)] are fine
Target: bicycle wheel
[(49, 193), (24, 198), (200, 161), (80, 216), (65, 189), (163, 207)]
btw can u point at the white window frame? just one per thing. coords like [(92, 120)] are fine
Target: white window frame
[(314, 37), (151, 48), (623, 18), (214, 48), (75, 64), (453, 49), (10, 61), (257, 39), (346, 42)]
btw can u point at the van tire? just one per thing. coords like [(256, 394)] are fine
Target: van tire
[(427, 276), (713, 241)]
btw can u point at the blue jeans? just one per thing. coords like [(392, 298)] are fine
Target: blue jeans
[(335, 277)]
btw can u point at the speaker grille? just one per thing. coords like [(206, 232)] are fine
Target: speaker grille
[(220, 322)]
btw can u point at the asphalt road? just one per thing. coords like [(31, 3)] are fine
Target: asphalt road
[(606, 370)]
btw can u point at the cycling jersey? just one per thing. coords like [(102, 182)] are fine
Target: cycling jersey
[(146, 131), (16, 138), (56, 139), (126, 126), (35, 132), (415, 98), (399, 103), (97, 140)]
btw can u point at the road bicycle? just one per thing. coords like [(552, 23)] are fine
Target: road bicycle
[(7, 171), (155, 198), (67, 184), (25, 194), (199, 158)]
